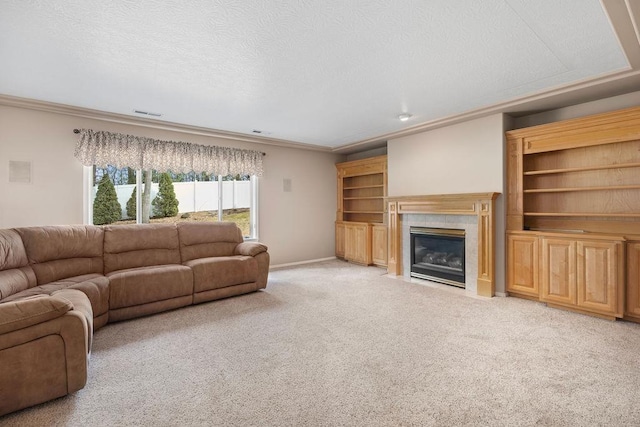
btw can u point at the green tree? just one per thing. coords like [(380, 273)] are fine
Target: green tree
[(131, 176), (165, 203), (106, 208), (132, 203)]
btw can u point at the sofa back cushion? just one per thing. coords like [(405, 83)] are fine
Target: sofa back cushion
[(15, 274), (63, 251), (208, 239), (140, 245)]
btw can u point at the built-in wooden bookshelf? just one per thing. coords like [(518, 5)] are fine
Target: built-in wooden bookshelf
[(362, 188), (573, 212), (363, 197)]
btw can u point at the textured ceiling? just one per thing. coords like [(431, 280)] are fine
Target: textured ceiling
[(328, 73)]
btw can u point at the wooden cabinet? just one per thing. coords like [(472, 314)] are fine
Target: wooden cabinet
[(522, 274), (357, 242), (632, 309), (361, 214), (575, 186), (379, 245), (583, 274)]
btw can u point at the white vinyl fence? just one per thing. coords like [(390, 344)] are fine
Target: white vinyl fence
[(196, 196)]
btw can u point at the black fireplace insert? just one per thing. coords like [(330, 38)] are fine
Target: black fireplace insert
[(437, 254)]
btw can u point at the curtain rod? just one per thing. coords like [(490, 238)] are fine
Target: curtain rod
[(78, 131)]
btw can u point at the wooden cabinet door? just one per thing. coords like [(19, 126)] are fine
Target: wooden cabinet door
[(522, 265), (379, 245), (633, 279), (598, 287), (558, 271), (350, 241), (357, 243), (339, 240)]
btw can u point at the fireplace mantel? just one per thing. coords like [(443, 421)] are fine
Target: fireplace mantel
[(480, 205)]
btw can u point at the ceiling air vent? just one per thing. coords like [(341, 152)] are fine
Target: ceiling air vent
[(147, 113)]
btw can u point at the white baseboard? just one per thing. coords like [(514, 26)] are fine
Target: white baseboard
[(502, 294), (311, 261)]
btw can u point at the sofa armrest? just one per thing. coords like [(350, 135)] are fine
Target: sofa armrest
[(249, 249), (45, 360), (30, 311)]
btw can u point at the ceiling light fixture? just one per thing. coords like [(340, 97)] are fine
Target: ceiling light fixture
[(404, 117)]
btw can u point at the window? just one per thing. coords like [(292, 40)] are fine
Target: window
[(127, 196)]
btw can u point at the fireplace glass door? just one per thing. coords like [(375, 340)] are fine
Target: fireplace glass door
[(437, 254)]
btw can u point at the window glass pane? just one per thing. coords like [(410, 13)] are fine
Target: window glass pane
[(236, 201), (112, 189), (177, 197)]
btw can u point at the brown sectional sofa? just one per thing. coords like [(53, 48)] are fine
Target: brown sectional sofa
[(59, 284)]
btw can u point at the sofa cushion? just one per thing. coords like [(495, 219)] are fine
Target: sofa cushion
[(208, 239), (96, 289), (81, 304), (140, 245), (16, 280), (220, 272), (31, 311), (12, 252), (58, 252), (94, 286), (144, 285), (15, 274)]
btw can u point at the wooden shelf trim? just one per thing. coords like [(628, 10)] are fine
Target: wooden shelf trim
[(358, 187), (585, 214), (567, 234), (365, 212), (364, 198), (573, 189), (582, 169)]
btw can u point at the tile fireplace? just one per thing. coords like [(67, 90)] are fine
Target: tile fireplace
[(471, 212)]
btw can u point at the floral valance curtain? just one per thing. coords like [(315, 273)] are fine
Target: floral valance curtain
[(102, 148)]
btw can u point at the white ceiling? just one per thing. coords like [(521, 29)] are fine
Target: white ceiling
[(328, 73)]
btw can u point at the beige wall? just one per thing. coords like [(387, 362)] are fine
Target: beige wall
[(463, 158), (296, 225)]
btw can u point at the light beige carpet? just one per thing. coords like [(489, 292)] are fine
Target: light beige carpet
[(333, 344)]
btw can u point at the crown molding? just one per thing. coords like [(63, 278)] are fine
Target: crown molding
[(87, 113)]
